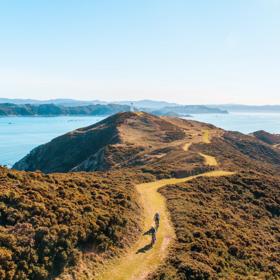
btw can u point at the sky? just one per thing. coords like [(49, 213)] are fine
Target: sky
[(185, 51)]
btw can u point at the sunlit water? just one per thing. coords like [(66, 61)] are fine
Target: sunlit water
[(19, 135), (243, 122)]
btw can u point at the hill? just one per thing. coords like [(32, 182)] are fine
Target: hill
[(9, 109), (148, 104), (268, 138), (123, 140), (189, 109), (48, 221), (150, 142), (57, 107), (221, 226), (60, 101), (224, 225)]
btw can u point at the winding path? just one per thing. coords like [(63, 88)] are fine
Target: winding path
[(209, 160), (141, 260)]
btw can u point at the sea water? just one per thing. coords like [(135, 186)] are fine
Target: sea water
[(19, 135), (242, 122)]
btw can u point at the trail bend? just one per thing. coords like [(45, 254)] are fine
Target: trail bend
[(209, 160), (141, 260)]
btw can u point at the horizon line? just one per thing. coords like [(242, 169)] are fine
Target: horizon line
[(141, 100)]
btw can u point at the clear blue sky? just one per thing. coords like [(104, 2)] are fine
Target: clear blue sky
[(188, 51)]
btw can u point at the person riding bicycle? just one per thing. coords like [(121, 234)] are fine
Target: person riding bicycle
[(156, 219), (153, 234)]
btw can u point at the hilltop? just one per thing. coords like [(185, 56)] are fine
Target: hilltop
[(123, 140), (149, 142), (268, 138)]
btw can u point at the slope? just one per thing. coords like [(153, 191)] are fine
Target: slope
[(142, 259), (122, 140)]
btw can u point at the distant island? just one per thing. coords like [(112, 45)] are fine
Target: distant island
[(8, 109), (239, 108), (153, 106), (188, 109), (52, 109)]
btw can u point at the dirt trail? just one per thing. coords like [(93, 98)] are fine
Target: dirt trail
[(209, 160), (141, 260), (206, 137), (186, 147)]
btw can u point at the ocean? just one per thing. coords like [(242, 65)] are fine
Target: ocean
[(19, 135)]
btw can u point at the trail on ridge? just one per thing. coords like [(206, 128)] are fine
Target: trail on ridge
[(142, 259)]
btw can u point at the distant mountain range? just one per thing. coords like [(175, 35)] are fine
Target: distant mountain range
[(248, 108), (152, 104), (8, 109), (188, 109), (62, 102), (155, 106), (60, 107)]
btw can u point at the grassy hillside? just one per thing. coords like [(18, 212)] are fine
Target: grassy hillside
[(271, 139), (122, 140), (46, 221), (227, 228), (237, 152)]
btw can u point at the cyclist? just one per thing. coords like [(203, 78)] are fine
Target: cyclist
[(156, 219)]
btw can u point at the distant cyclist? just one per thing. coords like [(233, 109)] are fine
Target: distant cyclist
[(153, 234), (156, 219)]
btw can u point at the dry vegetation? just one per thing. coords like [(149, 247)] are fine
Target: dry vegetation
[(122, 140), (237, 152), (227, 228), (271, 139), (47, 220)]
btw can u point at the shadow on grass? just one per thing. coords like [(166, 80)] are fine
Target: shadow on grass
[(145, 249), (148, 246)]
